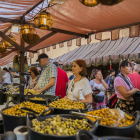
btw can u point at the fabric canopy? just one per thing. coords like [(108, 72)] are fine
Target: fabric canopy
[(7, 59), (71, 16), (103, 52)]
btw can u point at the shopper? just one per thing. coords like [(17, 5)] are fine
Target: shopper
[(124, 91), (110, 81), (34, 77), (79, 88), (6, 78), (99, 87), (62, 82), (133, 64), (48, 77), (135, 77)]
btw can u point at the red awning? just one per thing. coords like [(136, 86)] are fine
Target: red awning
[(73, 16)]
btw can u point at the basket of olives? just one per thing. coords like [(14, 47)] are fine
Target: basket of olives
[(91, 136), (41, 99), (58, 127), (14, 116), (114, 124), (64, 106)]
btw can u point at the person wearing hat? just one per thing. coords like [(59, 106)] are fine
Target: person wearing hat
[(48, 77)]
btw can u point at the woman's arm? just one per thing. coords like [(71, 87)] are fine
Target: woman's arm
[(104, 84), (28, 86), (126, 94), (88, 98)]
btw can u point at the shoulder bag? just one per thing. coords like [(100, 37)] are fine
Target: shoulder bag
[(98, 98)]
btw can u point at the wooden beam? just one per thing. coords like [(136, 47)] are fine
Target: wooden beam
[(24, 15), (41, 39), (32, 8), (67, 32), (7, 53), (11, 41), (7, 20), (22, 62)]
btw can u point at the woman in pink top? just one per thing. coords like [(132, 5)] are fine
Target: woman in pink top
[(124, 92)]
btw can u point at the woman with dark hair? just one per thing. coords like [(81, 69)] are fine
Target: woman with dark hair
[(124, 88), (110, 81), (34, 77), (99, 87), (79, 87), (7, 78)]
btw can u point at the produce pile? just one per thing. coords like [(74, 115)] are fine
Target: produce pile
[(65, 103), (107, 116), (17, 111), (12, 89), (37, 98), (30, 90), (60, 126)]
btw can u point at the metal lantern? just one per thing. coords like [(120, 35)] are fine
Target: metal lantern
[(28, 34), (2, 47), (30, 38), (7, 44), (27, 28), (44, 20), (110, 2), (89, 3)]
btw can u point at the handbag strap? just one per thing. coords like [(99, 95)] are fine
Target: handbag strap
[(70, 85), (123, 77)]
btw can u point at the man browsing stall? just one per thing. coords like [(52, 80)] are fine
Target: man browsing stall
[(48, 77)]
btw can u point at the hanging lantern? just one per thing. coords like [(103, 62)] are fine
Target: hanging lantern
[(110, 2), (2, 47), (27, 28), (7, 44), (89, 3), (30, 38), (44, 20), (28, 34)]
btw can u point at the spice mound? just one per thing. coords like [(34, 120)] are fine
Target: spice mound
[(109, 119), (60, 126), (17, 111), (67, 104), (37, 98), (30, 90)]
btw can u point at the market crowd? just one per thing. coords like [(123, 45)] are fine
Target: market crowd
[(52, 80)]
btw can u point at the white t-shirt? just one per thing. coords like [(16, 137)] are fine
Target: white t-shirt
[(82, 85), (94, 85), (7, 78)]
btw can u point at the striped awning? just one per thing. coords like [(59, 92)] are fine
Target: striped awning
[(103, 52)]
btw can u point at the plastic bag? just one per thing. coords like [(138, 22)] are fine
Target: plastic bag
[(117, 116)]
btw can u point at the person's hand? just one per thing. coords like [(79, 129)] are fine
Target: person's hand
[(66, 97), (102, 79), (135, 90), (39, 90)]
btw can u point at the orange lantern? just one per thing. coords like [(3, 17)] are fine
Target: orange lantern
[(44, 20), (2, 47), (89, 3), (7, 44)]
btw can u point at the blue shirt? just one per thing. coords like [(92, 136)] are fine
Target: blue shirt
[(49, 71)]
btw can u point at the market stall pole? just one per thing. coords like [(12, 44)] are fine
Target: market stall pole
[(22, 70)]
